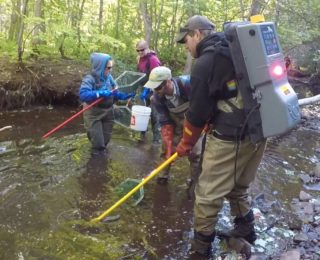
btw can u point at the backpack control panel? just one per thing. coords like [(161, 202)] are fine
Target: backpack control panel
[(270, 103)]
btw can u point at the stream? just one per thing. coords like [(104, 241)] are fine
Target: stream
[(51, 188)]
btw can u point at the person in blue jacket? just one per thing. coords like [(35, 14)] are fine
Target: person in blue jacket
[(99, 119)]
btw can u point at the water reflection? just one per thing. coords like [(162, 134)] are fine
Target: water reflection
[(93, 186), (171, 214), (42, 181)]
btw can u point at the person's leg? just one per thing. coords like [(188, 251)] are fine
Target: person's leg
[(215, 181), (155, 125), (195, 160), (93, 124), (95, 133), (249, 158), (107, 126), (164, 176)]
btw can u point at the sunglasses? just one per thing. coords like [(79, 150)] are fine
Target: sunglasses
[(109, 68), (141, 50)]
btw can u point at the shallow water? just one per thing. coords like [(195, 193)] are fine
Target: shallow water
[(51, 188)]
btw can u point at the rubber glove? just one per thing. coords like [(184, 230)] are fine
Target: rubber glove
[(144, 94), (167, 134), (189, 138), (124, 96), (104, 93)]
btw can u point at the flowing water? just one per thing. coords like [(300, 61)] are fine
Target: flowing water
[(51, 188)]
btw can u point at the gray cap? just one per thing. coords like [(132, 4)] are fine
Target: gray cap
[(196, 22)]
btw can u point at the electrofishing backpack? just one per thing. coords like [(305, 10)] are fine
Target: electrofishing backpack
[(270, 103)]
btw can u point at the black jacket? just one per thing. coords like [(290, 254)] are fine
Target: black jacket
[(210, 74)]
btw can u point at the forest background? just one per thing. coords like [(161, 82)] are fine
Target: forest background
[(61, 31)]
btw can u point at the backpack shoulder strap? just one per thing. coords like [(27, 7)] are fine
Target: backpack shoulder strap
[(183, 88)]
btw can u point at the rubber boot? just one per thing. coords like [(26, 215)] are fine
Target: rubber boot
[(240, 245), (201, 245), (143, 137), (156, 136), (243, 228)]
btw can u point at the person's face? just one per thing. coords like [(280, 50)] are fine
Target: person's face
[(108, 68), (162, 89), (142, 51), (191, 41)]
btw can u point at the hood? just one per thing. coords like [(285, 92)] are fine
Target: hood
[(98, 64), (212, 40)]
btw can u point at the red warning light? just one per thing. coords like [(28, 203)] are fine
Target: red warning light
[(277, 70)]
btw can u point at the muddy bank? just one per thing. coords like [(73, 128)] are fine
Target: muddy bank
[(56, 82), (41, 82)]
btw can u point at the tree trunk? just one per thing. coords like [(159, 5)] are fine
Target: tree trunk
[(159, 15), (242, 10), (79, 22), (146, 20), (255, 7), (39, 27), (310, 100), (187, 67), (173, 31), (21, 31), (117, 24), (15, 21), (277, 16), (101, 16)]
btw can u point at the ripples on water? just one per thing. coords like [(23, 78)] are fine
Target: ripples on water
[(47, 184)]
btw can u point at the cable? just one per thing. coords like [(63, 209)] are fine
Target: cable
[(238, 140)]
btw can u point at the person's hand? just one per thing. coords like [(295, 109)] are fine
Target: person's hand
[(104, 93), (183, 148), (144, 94), (167, 134), (124, 96), (190, 136), (131, 95)]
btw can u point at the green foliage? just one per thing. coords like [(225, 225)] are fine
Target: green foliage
[(76, 33), (7, 48)]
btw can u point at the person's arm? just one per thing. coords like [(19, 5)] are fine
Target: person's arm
[(86, 92), (167, 125), (154, 62), (202, 100), (199, 112), (123, 96)]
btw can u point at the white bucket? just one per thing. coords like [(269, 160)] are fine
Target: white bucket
[(140, 116)]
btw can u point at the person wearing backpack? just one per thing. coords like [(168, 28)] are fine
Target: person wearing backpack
[(230, 160), (171, 100), (148, 60), (98, 120)]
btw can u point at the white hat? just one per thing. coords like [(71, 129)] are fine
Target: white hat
[(157, 76)]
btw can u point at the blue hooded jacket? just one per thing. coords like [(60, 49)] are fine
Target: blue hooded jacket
[(96, 80)]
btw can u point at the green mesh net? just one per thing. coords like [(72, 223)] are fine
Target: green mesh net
[(124, 187), (122, 115), (129, 81)]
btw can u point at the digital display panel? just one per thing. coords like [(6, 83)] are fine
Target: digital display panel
[(269, 39)]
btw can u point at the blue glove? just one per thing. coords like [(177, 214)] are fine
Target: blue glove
[(144, 94), (104, 93), (132, 95), (124, 96)]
